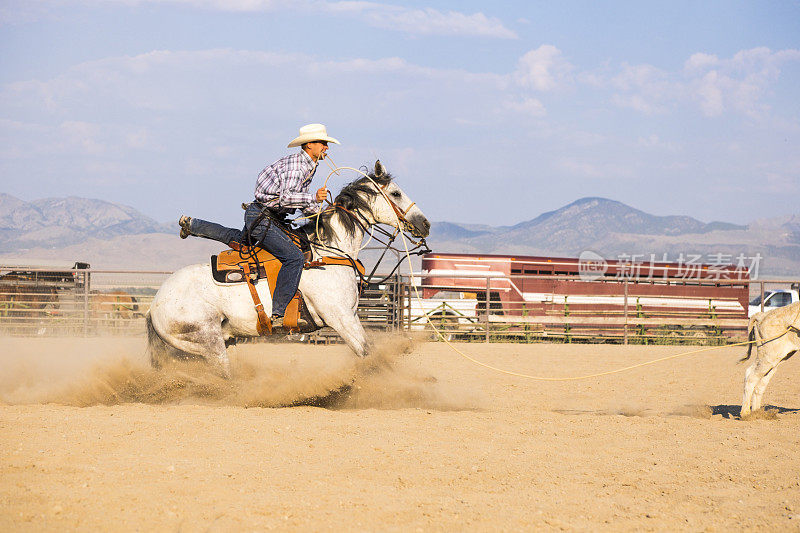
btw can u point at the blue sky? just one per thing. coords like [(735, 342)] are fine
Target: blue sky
[(485, 112)]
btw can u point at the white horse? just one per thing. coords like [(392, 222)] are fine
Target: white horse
[(193, 316)]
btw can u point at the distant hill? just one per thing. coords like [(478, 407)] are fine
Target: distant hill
[(58, 222), (613, 230), (110, 235), (581, 224)]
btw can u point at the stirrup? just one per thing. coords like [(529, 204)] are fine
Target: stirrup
[(277, 322)]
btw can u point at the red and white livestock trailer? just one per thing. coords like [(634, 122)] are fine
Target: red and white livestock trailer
[(595, 297)]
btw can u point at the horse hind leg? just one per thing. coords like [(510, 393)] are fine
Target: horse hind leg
[(209, 345), (159, 350), (218, 357), (195, 342)]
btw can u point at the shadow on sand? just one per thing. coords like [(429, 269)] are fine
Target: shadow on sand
[(768, 411), (333, 400)]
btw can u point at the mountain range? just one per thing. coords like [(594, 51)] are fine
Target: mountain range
[(57, 222), (110, 235), (617, 231)]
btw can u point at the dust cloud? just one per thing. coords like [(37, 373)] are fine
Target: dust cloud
[(113, 371)]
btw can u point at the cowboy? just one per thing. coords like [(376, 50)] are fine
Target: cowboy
[(281, 188)]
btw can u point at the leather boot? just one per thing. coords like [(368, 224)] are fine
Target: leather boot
[(185, 223)]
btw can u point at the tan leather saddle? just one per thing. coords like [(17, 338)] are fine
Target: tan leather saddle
[(243, 264)]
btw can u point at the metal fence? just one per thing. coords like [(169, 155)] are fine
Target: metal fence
[(87, 302), (84, 302), (625, 316), (44, 302)]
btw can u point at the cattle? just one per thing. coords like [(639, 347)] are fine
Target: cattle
[(776, 337), (114, 305)]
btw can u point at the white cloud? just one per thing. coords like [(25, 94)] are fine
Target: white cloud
[(738, 83), (709, 91), (635, 77), (581, 169), (643, 88), (716, 85), (221, 114), (638, 102), (700, 61), (83, 136), (543, 69), (167, 80), (420, 21), (654, 141), (168, 103), (780, 183), (527, 106), (139, 138)]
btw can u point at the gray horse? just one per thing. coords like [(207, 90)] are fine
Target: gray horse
[(194, 316)]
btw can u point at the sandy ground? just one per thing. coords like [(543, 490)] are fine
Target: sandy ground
[(92, 439)]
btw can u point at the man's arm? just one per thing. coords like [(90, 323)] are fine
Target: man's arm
[(280, 185)]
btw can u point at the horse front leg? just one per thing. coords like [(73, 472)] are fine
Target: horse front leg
[(349, 328), (332, 296)]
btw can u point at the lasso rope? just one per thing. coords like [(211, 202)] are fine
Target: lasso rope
[(335, 169)]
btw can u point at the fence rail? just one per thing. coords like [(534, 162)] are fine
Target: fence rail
[(114, 302), (626, 310)]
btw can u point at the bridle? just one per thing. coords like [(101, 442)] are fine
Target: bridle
[(420, 246), (401, 215)]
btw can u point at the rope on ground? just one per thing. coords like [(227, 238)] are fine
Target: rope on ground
[(519, 374)]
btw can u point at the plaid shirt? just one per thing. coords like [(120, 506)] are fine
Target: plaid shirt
[(283, 186)]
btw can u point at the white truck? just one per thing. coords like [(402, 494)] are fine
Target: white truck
[(773, 299)]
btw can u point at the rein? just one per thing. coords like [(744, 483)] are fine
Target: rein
[(420, 247)]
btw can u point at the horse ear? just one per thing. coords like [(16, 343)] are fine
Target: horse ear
[(380, 170)]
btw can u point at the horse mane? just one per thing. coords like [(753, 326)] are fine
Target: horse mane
[(353, 197)]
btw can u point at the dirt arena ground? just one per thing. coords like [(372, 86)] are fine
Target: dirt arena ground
[(92, 439)]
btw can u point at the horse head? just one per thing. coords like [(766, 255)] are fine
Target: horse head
[(388, 204), (405, 211)]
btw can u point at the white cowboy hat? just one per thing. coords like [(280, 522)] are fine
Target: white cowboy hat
[(310, 133)]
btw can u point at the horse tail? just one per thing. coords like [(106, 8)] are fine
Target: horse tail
[(157, 347), (752, 335)]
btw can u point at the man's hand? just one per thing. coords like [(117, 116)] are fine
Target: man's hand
[(322, 193)]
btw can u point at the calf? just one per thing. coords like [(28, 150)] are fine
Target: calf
[(776, 339)]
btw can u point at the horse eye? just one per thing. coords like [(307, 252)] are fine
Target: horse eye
[(396, 194)]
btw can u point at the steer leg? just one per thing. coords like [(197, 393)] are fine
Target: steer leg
[(758, 392), (762, 384), (750, 381)]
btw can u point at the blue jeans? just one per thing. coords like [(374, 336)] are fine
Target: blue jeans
[(270, 237)]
